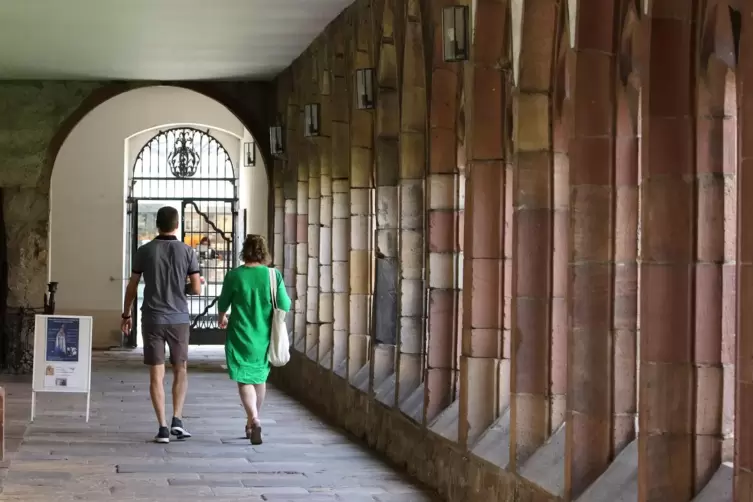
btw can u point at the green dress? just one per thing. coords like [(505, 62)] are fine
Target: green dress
[(246, 292)]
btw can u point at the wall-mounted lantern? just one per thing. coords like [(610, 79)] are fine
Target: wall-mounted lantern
[(365, 88), (249, 154), (455, 33), (311, 113), (275, 140)]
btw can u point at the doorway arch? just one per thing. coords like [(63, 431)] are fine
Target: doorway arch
[(88, 191)]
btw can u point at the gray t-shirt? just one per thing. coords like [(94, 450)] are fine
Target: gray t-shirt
[(165, 262)]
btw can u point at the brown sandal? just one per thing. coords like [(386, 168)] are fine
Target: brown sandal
[(253, 433)]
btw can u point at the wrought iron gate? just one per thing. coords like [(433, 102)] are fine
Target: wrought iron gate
[(190, 170)]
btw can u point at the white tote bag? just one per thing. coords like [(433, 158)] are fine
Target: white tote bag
[(279, 343)]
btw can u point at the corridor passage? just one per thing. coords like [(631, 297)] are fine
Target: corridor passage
[(63, 459)]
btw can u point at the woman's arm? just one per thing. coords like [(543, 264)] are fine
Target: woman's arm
[(283, 300), (226, 297)]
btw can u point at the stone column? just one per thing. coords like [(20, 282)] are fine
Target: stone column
[(532, 234), (446, 198), (561, 132), (729, 266), (279, 221), (625, 276), (312, 294), (589, 348), (326, 298), (387, 174), (303, 336), (412, 202), (361, 214), (711, 273), (744, 368), (290, 192), (484, 372), (340, 198), (666, 439)]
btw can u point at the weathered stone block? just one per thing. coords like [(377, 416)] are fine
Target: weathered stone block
[(412, 155)]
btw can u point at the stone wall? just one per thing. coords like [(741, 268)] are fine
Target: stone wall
[(31, 115), (432, 459)]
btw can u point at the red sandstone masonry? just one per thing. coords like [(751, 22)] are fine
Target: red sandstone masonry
[(625, 238), (744, 371), (710, 268), (442, 232), (532, 234), (668, 253), (483, 368), (412, 242), (589, 415)]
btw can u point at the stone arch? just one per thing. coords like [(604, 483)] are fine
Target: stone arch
[(255, 120)]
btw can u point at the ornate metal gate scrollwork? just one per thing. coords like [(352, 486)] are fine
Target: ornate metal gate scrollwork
[(190, 170)]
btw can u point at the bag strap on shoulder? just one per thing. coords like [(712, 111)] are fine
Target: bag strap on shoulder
[(273, 286)]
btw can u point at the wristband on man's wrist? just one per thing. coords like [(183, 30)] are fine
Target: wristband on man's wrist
[(124, 316)]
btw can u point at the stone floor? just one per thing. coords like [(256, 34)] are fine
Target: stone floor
[(62, 458)]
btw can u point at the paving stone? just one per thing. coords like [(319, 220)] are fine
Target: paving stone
[(60, 458)]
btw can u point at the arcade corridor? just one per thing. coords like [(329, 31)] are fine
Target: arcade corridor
[(518, 233)]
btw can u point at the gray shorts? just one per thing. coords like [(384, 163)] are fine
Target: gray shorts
[(157, 335)]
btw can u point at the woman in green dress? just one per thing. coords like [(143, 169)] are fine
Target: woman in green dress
[(246, 292)]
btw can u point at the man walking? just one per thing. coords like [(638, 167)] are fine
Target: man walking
[(165, 263)]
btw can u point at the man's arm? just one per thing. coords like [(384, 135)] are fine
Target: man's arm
[(194, 273), (132, 290), (130, 293), (130, 296)]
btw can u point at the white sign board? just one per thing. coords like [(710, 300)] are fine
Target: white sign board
[(62, 356)]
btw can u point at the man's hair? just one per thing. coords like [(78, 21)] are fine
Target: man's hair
[(167, 219)]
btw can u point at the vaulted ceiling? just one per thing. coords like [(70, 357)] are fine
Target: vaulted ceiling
[(157, 39)]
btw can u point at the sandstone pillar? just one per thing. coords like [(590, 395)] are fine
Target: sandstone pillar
[(625, 241), (290, 192), (592, 162), (411, 201), (304, 341), (340, 198), (744, 367), (484, 374), (446, 199), (279, 220), (387, 154), (666, 437), (314, 223), (729, 266), (326, 298), (361, 203), (532, 233), (560, 186), (712, 274)]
